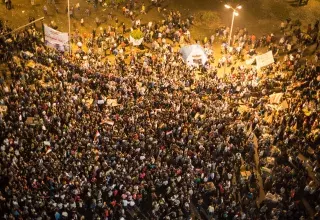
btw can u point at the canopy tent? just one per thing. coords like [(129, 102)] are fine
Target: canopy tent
[(193, 54)]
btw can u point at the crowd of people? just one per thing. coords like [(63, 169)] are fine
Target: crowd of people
[(112, 133)]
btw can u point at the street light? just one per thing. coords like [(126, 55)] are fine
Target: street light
[(69, 37), (234, 13)]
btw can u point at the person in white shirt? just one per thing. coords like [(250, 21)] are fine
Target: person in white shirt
[(125, 203), (211, 210)]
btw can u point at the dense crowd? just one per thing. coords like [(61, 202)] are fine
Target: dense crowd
[(145, 136)]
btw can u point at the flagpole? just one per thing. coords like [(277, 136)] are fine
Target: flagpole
[(70, 50), (23, 26)]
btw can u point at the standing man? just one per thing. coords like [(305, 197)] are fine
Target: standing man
[(143, 9), (8, 4), (318, 42), (45, 10), (123, 28), (97, 21)]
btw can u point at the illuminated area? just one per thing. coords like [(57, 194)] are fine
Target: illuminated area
[(159, 110)]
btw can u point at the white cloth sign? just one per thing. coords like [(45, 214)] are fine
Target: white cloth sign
[(56, 39), (264, 59), (136, 42)]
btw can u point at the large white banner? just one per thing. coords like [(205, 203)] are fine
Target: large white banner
[(56, 39), (264, 59)]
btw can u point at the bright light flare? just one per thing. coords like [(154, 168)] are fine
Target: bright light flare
[(227, 6)]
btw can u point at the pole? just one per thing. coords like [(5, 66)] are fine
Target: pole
[(70, 50), (230, 35), (43, 34), (23, 26), (229, 42)]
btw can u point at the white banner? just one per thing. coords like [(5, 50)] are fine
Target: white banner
[(250, 61), (56, 39), (264, 59), (136, 42)]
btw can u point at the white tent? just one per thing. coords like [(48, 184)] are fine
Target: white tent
[(193, 54)]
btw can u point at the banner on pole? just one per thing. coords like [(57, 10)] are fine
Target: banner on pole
[(56, 39), (264, 59)]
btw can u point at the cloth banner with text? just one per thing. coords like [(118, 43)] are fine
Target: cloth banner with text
[(56, 39)]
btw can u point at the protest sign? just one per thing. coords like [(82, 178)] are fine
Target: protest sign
[(275, 98), (100, 102), (3, 109), (112, 102), (264, 59), (56, 39)]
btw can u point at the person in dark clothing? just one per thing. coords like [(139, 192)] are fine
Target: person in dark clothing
[(318, 42)]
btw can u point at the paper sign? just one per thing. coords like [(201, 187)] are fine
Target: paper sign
[(243, 108), (108, 122), (270, 160), (3, 108), (32, 87), (89, 101), (266, 170), (112, 102), (31, 64), (100, 102), (275, 98), (245, 174), (29, 120), (307, 111), (264, 59)]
